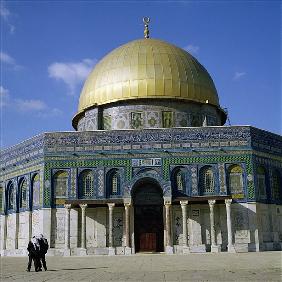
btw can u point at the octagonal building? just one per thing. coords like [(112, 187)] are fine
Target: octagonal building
[(150, 167)]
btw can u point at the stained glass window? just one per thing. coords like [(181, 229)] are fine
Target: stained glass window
[(261, 182), (276, 185), (207, 180), (86, 186), (36, 190), (23, 194), (236, 179)]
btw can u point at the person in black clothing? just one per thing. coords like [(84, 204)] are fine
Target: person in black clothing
[(43, 243), (33, 254)]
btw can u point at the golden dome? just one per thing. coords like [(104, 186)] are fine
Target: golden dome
[(147, 68)]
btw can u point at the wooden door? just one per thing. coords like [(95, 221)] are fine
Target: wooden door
[(148, 242)]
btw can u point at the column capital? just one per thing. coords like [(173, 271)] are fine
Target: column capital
[(67, 206), (211, 203), (228, 202), (183, 203), (83, 206), (127, 205), (111, 205)]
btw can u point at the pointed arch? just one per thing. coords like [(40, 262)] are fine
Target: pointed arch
[(35, 184), (86, 184), (178, 180), (207, 181), (261, 182), (10, 199), (113, 183), (235, 180), (23, 201)]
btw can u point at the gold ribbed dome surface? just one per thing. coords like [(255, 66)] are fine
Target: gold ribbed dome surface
[(147, 68)]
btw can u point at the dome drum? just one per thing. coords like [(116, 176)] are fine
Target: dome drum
[(148, 83), (147, 113)]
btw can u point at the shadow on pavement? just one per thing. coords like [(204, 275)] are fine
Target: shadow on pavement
[(82, 268)]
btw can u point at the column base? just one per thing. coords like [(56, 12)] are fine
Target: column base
[(67, 252), (112, 251), (185, 250), (3, 253), (169, 250), (81, 252), (231, 249), (198, 249), (127, 251), (215, 249)]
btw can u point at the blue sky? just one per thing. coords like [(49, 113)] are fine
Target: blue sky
[(49, 47)]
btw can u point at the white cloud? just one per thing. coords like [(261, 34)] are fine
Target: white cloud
[(4, 96), (30, 105), (5, 58), (5, 14), (71, 73), (238, 75), (193, 49)]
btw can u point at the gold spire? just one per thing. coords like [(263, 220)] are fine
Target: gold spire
[(146, 21)]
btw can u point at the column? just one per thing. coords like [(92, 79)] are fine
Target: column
[(214, 247), (111, 248), (67, 229), (230, 246), (169, 248), (184, 225), (127, 228), (17, 230), (29, 225), (3, 234), (83, 229)]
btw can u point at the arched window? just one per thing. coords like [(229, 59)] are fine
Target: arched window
[(36, 190), (261, 182), (207, 181), (60, 184), (86, 187), (10, 196), (235, 180), (178, 180), (276, 185), (23, 194), (114, 183)]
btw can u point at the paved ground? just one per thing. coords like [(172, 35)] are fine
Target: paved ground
[(264, 266)]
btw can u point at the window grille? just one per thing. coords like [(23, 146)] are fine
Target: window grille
[(23, 194), (61, 184), (236, 180), (275, 185), (115, 184), (86, 184), (179, 181), (261, 182), (36, 190), (10, 199), (207, 181)]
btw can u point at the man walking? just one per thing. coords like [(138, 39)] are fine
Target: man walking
[(43, 243), (33, 254)]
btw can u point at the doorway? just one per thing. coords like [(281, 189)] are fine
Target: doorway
[(148, 216)]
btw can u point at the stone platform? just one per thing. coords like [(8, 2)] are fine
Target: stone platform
[(263, 266)]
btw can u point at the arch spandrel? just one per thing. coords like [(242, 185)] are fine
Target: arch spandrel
[(151, 175)]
